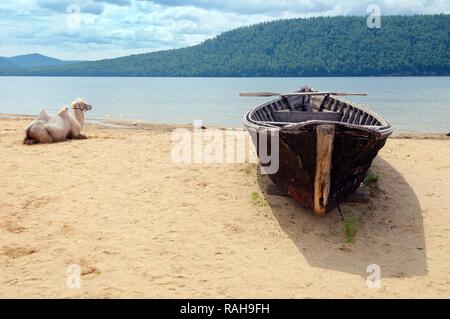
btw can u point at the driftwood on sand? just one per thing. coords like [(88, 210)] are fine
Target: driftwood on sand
[(48, 128)]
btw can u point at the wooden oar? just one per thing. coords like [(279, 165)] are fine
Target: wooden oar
[(267, 94)]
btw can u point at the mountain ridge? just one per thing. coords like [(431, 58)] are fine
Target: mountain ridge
[(32, 60), (318, 46)]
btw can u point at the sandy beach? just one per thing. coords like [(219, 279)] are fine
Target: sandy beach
[(142, 226)]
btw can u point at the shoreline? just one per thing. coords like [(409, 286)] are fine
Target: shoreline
[(146, 125)]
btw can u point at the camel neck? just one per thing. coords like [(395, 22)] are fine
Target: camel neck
[(79, 115)]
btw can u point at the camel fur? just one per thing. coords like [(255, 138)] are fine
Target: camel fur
[(48, 129)]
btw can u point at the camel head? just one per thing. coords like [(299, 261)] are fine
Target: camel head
[(80, 104)]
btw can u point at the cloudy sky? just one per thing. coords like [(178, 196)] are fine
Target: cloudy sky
[(96, 29)]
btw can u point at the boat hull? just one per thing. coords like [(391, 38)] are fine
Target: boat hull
[(351, 157), (320, 162)]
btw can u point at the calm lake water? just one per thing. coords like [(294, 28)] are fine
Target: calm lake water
[(412, 104)]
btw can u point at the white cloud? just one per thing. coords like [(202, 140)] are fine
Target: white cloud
[(111, 28)]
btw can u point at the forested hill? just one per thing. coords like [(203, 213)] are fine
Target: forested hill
[(321, 46)]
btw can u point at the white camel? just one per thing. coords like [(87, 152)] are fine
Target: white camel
[(47, 128)]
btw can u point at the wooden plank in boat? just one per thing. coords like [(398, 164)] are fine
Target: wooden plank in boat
[(324, 153), (299, 116)]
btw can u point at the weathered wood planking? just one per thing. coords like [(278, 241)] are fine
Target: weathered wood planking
[(324, 153), (326, 145), (299, 116)]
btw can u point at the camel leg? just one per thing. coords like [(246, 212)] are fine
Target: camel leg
[(75, 133), (45, 137), (40, 135), (30, 141), (79, 137)]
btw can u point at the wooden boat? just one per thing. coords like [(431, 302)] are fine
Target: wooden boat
[(326, 144)]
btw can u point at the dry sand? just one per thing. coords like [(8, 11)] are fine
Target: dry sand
[(142, 226)]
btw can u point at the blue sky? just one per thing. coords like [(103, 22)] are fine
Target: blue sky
[(97, 29)]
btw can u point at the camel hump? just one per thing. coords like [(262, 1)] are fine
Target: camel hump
[(43, 115), (64, 111)]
